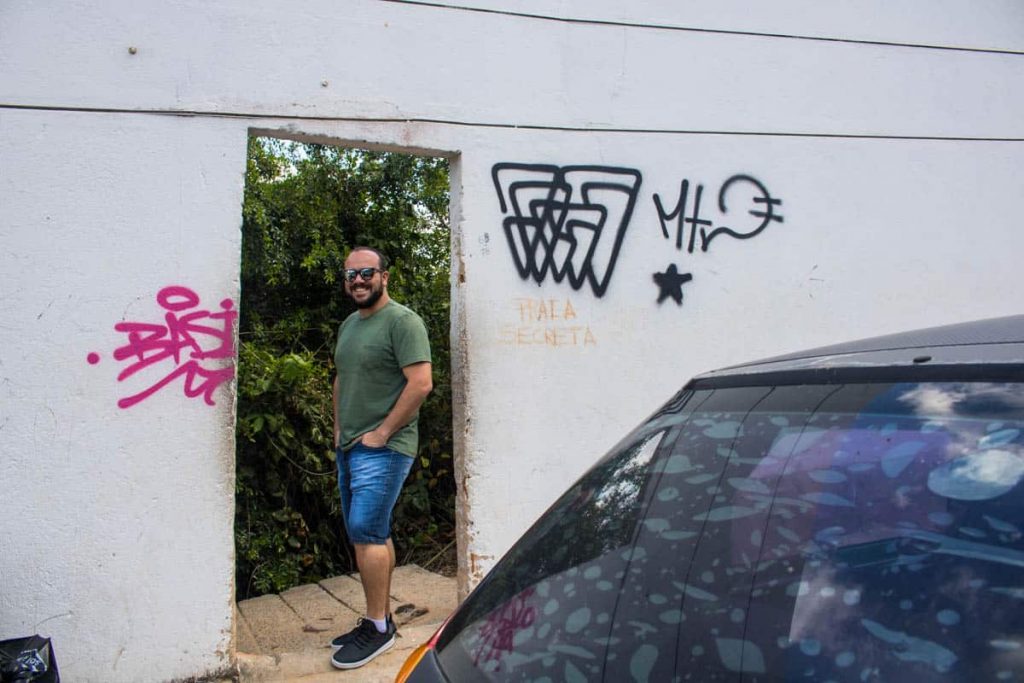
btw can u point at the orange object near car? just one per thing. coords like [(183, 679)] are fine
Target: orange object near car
[(417, 655)]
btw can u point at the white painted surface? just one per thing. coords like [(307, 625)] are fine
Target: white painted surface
[(251, 57), (118, 543), (115, 537), (996, 24)]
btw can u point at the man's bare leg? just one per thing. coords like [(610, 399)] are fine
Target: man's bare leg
[(375, 564), (391, 573)]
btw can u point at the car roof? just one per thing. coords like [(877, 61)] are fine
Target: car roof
[(994, 341)]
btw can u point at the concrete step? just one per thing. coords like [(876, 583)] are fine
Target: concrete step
[(287, 637)]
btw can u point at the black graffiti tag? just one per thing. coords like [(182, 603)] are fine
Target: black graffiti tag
[(679, 214), (568, 221), (767, 216), (699, 226), (689, 224)]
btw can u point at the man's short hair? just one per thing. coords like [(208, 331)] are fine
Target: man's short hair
[(382, 260)]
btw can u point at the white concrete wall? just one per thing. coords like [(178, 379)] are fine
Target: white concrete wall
[(116, 525), (897, 161)]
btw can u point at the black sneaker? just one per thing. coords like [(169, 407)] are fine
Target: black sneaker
[(347, 637), (365, 644)]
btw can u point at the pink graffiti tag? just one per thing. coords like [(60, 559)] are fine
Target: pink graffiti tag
[(498, 632), (182, 331)]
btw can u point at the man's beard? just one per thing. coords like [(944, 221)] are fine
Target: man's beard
[(375, 294)]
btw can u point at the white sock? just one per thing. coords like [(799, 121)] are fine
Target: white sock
[(381, 624)]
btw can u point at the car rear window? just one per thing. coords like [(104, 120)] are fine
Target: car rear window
[(860, 532)]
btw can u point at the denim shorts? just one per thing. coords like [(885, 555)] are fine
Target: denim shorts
[(369, 481)]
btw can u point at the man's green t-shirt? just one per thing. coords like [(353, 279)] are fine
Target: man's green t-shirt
[(369, 356)]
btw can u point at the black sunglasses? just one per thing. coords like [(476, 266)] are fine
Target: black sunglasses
[(364, 273)]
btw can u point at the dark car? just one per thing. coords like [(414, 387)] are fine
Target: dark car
[(852, 513)]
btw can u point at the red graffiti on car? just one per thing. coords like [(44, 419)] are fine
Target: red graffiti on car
[(498, 632)]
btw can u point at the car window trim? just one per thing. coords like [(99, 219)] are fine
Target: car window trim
[(1002, 373)]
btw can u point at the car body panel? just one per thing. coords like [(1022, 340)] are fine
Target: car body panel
[(857, 520)]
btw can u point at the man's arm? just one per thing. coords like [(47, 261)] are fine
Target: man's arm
[(418, 383), (334, 413)]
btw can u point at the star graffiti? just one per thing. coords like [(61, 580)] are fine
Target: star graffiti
[(694, 230), (670, 284)]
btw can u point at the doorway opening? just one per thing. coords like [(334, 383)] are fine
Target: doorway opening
[(305, 205)]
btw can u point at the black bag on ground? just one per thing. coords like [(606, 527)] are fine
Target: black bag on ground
[(28, 660)]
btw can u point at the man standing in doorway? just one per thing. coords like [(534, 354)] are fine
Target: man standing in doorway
[(384, 374)]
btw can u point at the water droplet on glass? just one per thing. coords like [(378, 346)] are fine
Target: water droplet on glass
[(724, 430), (656, 525), (578, 620), (1000, 438), (668, 493), (898, 458), (827, 476), (1000, 525), (727, 513), (827, 499), (978, 476), (677, 464), (673, 616), (748, 485), (642, 662), (740, 655)]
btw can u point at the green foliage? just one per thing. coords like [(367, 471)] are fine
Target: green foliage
[(305, 206)]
